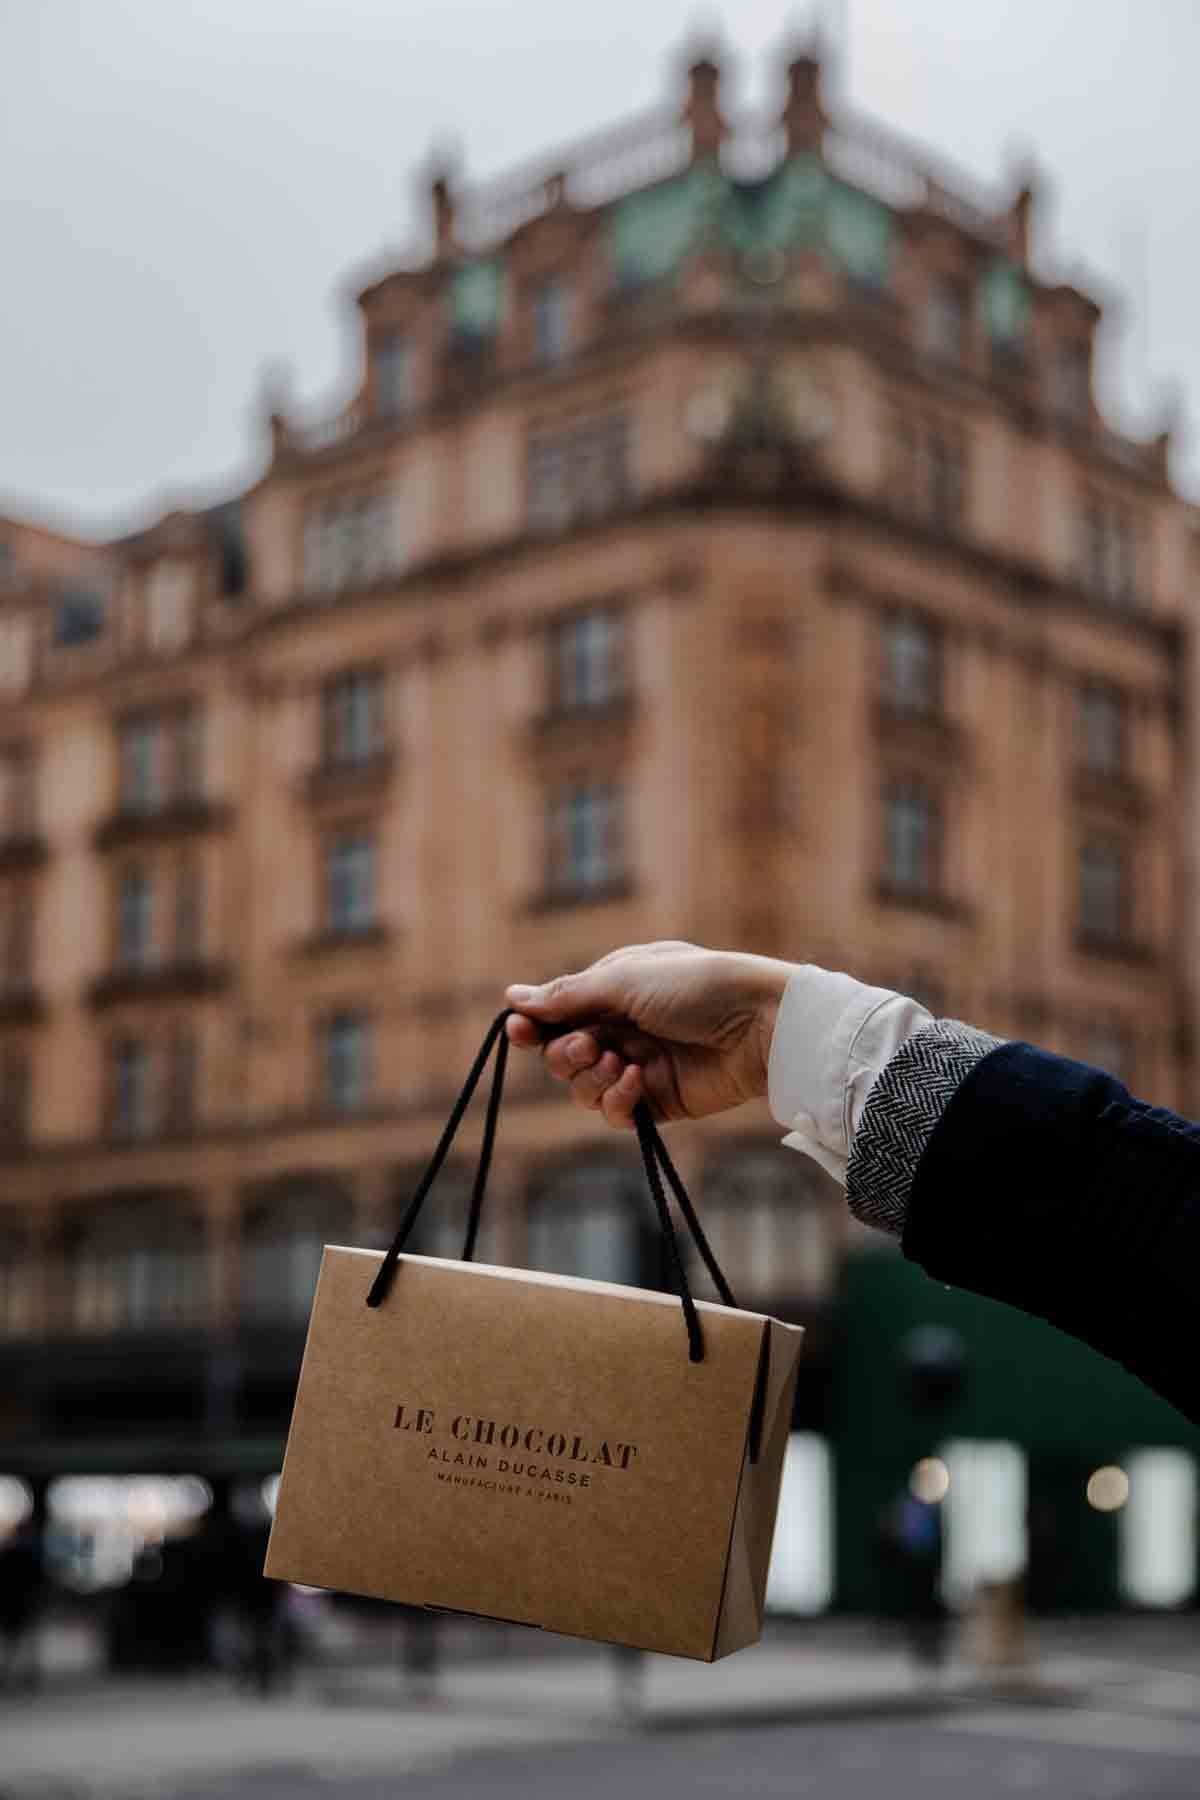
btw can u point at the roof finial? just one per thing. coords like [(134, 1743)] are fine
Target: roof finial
[(444, 162), (702, 109)]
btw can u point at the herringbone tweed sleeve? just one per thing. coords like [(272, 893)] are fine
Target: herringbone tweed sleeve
[(904, 1105)]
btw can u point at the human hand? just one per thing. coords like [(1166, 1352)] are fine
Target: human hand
[(684, 1028)]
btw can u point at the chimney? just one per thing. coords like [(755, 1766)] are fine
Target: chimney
[(1018, 224), (703, 110), (442, 202), (804, 116)]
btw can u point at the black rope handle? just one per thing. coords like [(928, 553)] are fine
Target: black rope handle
[(655, 1159)]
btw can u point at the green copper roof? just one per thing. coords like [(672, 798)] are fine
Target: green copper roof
[(651, 233)]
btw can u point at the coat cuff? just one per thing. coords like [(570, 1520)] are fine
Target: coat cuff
[(902, 1109)]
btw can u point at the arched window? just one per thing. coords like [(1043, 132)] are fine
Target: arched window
[(137, 1262), (442, 1225), (768, 1214), (283, 1236), (593, 1218)]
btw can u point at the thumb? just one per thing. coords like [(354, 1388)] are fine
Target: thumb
[(568, 999)]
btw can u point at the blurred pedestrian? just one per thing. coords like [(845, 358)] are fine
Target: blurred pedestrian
[(911, 1532), (1000, 1167), (266, 1660), (22, 1596)]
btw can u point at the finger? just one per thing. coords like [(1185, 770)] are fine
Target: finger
[(522, 1032), (590, 1086), (620, 1099), (596, 993), (566, 1057)]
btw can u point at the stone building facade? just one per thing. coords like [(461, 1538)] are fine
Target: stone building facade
[(723, 542)]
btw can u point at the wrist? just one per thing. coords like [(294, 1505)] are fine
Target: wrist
[(770, 979)]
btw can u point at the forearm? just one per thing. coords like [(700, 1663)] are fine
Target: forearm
[(1006, 1170)]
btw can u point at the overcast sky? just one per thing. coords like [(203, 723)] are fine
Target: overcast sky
[(184, 188)]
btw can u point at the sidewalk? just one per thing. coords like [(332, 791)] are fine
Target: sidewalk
[(106, 1740)]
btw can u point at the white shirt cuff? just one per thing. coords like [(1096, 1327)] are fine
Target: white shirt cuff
[(833, 1038)]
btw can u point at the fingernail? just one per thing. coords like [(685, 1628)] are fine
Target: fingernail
[(521, 996), (577, 1050)]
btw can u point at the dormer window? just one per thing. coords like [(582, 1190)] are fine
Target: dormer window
[(944, 325), (393, 375), (79, 616), (551, 320)]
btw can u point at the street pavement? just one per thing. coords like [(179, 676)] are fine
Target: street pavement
[(823, 1711)]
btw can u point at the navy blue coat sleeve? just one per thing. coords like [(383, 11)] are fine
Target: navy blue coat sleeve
[(1045, 1184)]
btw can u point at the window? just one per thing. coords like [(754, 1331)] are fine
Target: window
[(350, 884), (1071, 381), (1108, 552), (578, 474), (182, 1076), (927, 471), (14, 1098), (944, 323), (352, 717), (16, 945), (551, 320), (441, 1226), (187, 750), (591, 1219), (911, 663), (943, 472), (232, 556), (1103, 890), (132, 1097), (282, 1243), (135, 920), (189, 910), (770, 1230), (17, 792), (139, 1264), (549, 483), (1102, 727), (911, 830), (347, 1061), (587, 660), (143, 773), (349, 540), (161, 759), (586, 848), (79, 616), (393, 375)]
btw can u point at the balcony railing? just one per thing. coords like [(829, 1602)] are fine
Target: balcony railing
[(20, 1002), (22, 848), (615, 161), (656, 145), (177, 815), (179, 978), (336, 775)]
